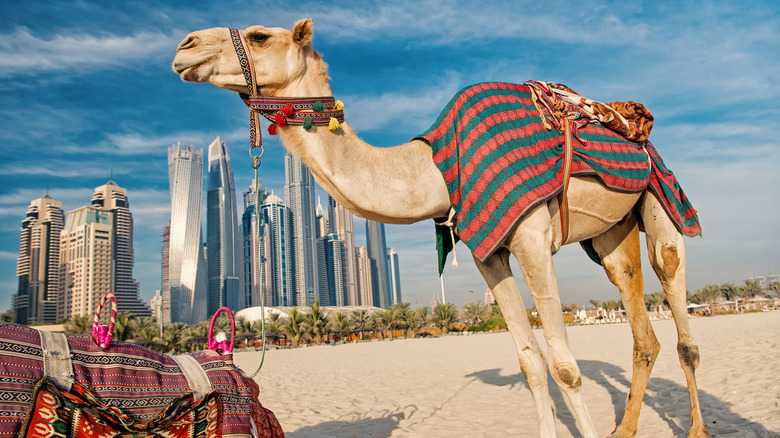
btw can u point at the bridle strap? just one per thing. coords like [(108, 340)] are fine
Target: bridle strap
[(248, 67)]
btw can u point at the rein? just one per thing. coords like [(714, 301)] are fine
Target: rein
[(280, 111)]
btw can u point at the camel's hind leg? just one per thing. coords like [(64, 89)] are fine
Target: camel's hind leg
[(498, 275), (620, 256), (667, 256)]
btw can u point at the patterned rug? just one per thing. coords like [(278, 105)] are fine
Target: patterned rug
[(499, 159)]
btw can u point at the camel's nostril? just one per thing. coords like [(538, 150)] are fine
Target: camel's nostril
[(187, 43)]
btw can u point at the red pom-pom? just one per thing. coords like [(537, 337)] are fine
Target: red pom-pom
[(288, 110), (272, 129), (279, 119)]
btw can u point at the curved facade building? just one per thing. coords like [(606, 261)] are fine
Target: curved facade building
[(184, 295), (223, 238)]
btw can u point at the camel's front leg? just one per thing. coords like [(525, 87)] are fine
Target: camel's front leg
[(667, 255), (531, 244), (620, 256), (498, 276)]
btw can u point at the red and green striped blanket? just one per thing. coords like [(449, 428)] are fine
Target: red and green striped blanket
[(499, 160)]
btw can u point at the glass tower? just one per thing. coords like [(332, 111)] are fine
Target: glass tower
[(375, 242), (186, 289), (299, 194), (276, 224), (223, 239)]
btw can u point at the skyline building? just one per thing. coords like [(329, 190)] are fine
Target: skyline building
[(254, 242), (364, 276), (330, 271), (86, 260), (223, 238), (187, 273), (299, 196), (38, 265), (341, 223), (394, 271), (276, 224), (380, 279), (110, 197)]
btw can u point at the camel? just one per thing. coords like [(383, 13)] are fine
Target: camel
[(402, 185)]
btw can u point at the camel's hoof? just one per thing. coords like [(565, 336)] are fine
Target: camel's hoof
[(621, 433), (700, 432)]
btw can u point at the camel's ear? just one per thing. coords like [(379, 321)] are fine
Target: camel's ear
[(302, 32)]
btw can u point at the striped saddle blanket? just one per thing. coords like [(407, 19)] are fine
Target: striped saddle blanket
[(53, 385), (499, 158)]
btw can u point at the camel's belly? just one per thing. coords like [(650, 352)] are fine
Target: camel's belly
[(593, 209)]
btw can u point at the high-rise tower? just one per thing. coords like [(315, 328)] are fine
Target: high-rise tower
[(394, 271), (299, 194), (375, 241), (38, 267), (254, 242), (341, 223), (223, 239), (186, 265), (276, 224), (112, 198)]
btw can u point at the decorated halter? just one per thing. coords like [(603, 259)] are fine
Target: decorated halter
[(281, 111)]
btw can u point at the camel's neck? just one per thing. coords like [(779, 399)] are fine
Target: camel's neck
[(398, 185)]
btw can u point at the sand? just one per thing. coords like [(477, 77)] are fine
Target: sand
[(472, 385)]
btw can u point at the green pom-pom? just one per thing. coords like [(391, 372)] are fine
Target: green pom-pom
[(318, 106), (307, 123)]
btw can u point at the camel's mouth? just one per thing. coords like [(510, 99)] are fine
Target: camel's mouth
[(189, 70)]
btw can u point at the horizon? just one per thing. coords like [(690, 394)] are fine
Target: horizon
[(90, 96)]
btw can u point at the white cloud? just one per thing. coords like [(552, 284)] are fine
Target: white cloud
[(22, 52)]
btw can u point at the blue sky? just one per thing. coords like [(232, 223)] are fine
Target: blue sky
[(87, 90)]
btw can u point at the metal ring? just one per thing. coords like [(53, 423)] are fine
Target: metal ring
[(256, 162)]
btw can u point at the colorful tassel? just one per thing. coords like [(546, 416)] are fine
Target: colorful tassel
[(307, 123), (333, 124), (272, 129), (318, 107), (288, 110), (338, 105), (279, 119)]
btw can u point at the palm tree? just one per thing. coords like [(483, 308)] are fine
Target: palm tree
[(752, 289), (655, 301), (473, 314), (123, 326), (400, 314), (338, 323), (444, 316), (80, 325), (709, 295), (195, 337), (171, 339), (775, 287), (273, 326), (316, 322), (414, 323), (360, 319), (295, 327), (383, 320)]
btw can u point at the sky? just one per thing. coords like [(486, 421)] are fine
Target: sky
[(88, 95)]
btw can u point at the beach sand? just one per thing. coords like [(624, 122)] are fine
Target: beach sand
[(472, 385)]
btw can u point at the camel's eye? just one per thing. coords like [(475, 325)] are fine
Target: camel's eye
[(259, 37)]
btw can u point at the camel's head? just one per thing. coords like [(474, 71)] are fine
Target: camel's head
[(282, 59)]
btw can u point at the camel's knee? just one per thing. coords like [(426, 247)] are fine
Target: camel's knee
[(670, 260), (533, 366), (567, 374), (689, 354), (646, 353)]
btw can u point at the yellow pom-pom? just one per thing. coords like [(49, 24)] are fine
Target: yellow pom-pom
[(334, 124), (338, 105)]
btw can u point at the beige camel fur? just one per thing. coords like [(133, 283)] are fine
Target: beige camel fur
[(402, 185)]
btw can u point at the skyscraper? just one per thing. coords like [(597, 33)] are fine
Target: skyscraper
[(330, 271), (223, 239), (187, 273), (38, 266), (254, 242), (276, 224), (299, 194), (365, 273), (87, 261), (375, 241), (394, 270), (112, 198), (341, 223)]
